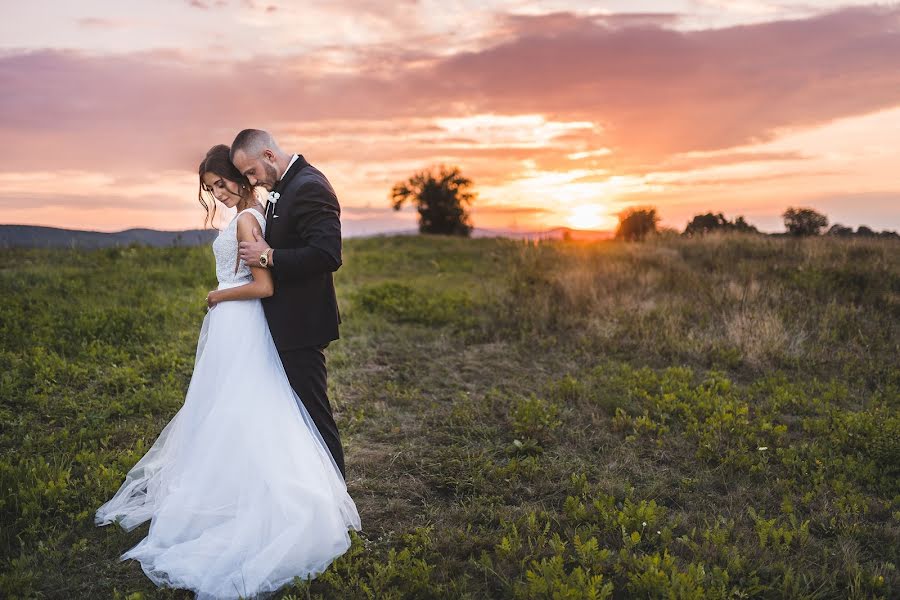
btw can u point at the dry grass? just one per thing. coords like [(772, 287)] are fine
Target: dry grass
[(755, 301)]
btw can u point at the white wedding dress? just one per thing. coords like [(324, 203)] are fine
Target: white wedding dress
[(242, 493)]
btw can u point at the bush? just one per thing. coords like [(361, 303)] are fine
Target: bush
[(635, 224), (840, 230), (709, 223), (804, 221)]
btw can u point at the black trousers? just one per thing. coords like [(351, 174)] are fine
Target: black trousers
[(305, 368)]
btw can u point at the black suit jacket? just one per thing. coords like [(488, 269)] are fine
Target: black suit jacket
[(304, 228)]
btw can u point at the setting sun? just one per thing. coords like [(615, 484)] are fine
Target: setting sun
[(589, 216)]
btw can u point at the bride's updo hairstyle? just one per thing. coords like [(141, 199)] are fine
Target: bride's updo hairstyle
[(217, 161)]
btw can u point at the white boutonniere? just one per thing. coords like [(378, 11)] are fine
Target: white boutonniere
[(273, 197)]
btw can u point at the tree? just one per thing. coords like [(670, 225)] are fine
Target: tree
[(636, 223), (441, 195), (703, 224), (840, 230), (804, 221), (742, 226), (865, 231)]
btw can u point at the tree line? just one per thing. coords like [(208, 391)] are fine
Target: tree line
[(442, 196), (636, 224)]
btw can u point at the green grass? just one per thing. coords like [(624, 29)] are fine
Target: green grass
[(705, 418)]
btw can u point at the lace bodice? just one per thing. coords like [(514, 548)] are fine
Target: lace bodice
[(225, 249)]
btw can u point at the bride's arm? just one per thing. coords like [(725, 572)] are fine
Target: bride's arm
[(262, 285)]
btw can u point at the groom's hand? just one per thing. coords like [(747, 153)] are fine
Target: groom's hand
[(250, 252)]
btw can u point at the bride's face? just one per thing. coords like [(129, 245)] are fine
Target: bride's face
[(225, 191)]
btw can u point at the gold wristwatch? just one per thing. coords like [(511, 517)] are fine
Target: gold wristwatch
[(264, 258)]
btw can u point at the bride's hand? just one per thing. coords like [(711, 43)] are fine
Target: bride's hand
[(211, 299)]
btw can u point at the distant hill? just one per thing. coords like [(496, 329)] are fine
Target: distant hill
[(33, 236), (557, 233)]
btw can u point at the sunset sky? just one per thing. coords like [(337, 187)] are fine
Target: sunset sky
[(563, 112)]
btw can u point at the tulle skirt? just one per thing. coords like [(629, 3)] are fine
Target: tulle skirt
[(242, 493)]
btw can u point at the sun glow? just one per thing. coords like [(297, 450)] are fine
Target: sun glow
[(588, 216)]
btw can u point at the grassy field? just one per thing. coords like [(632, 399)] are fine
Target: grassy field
[(706, 418)]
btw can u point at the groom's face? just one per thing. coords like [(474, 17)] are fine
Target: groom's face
[(261, 170)]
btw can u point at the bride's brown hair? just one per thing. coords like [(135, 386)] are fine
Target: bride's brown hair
[(217, 161)]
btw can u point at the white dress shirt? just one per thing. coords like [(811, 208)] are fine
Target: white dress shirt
[(294, 158)]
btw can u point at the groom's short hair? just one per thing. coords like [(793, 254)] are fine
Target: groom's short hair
[(252, 142)]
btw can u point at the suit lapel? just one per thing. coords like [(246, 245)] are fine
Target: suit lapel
[(295, 169), (269, 218)]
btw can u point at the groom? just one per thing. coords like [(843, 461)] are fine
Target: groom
[(302, 247)]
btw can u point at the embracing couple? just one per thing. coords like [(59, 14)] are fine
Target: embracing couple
[(244, 487)]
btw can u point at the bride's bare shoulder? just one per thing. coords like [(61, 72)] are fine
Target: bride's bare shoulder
[(246, 223)]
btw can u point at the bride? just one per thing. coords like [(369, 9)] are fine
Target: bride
[(241, 491)]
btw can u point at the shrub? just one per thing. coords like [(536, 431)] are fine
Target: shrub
[(840, 230), (534, 418), (635, 224), (709, 223), (804, 221)]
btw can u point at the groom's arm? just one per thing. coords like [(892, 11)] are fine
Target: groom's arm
[(316, 212)]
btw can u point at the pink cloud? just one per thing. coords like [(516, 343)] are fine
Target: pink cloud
[(660, 91), (553, 24), (654, 92), (101, 23)]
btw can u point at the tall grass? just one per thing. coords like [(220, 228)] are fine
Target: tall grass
[(744, 302)]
